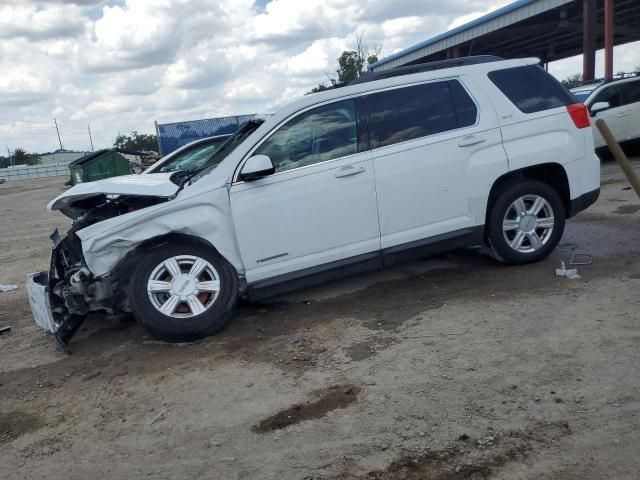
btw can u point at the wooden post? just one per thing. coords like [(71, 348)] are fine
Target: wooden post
[(619, 155)]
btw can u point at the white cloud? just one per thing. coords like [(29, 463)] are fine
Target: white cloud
[(480, 11), (24, 86), (118, 65), (315, 62), (29, 21)]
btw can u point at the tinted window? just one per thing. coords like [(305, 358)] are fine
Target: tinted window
[(318, 135), (582, 95), (630, 92), (531, 89), (466, 111), (411, 112), (610, 94)]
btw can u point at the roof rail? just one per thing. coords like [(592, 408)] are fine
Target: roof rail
[(425, 67)]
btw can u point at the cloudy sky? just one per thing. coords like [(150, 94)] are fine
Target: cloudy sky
[(118, 65)]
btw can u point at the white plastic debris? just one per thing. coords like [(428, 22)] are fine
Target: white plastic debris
[(7, 288), (571, 273)]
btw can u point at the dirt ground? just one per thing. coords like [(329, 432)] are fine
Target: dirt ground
[(449, 368)]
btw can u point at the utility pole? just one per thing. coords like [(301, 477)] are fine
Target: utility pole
[(90, 139), (59, 140), (9, 153), (158, 138)]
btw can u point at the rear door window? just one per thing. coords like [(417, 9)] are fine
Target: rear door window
[(630, 92), (408, 113), (531, 89)]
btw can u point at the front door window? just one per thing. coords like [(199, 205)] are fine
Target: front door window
[(324, 133)]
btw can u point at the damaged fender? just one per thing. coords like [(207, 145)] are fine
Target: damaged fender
[(206, 216)]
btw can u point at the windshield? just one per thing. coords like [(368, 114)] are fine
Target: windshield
[(227, 147), (191, 159), (582, 95)]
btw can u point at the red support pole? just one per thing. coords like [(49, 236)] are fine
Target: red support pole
[(589, 26), (608, 38)]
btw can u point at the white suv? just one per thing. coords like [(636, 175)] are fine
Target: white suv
[(399, 164), (618, 103)]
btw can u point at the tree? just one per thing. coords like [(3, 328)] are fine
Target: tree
[(572, 81), (21, 157), (320, 88), (135, 142), (351, 64)]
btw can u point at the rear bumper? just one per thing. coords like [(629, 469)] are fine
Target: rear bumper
[(583, 202), (38, 294)]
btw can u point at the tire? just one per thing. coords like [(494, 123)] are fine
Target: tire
[(512, 230), (166, 307)]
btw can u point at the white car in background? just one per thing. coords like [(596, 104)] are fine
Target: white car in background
[(617, 102), (188, 157)]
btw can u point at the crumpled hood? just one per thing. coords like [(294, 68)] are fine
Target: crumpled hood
[(153, 185)]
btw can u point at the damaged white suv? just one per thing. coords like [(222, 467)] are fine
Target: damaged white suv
[(408, 162)]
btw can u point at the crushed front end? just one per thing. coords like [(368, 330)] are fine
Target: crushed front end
[(61, 298)]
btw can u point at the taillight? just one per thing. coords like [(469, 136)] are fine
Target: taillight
[(579, 113)]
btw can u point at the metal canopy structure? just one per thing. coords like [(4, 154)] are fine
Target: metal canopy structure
[(548, 29)]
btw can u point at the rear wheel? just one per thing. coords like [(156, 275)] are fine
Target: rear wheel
[(526, 222), (183, 292)]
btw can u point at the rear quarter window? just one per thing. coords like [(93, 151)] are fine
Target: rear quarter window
[(531, 89), (466, 111)]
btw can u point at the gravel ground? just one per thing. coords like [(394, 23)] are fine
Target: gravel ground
[(449, 368)]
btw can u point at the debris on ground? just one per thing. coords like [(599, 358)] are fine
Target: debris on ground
[(5, 329), (158, 417), (581, 259), (563, 271), (7, 288), (91, 375)]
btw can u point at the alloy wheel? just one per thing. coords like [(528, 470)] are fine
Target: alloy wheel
[(528, 223), (183, 286)]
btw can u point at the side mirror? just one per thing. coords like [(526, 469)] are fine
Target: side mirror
[(599, 107), (257, 167)]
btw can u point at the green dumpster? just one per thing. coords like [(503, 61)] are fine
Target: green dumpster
[(98, 165)]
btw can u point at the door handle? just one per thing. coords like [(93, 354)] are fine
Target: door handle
[(620, 115), (470, 140), (349, 170)]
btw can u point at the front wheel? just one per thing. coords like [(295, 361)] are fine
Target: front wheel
[(183, 292), (526, 222)]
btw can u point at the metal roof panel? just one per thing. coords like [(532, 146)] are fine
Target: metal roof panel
[(502, 17)]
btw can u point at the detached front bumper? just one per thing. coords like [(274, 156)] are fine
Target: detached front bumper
[(38, 293), (40, 302)]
